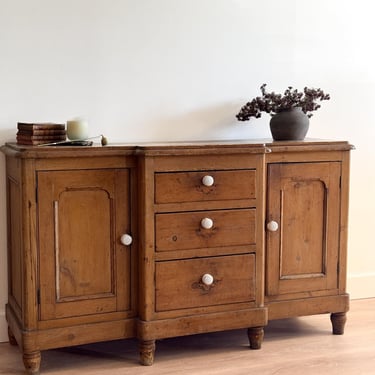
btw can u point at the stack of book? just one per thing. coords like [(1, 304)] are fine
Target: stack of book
[(40, 133)]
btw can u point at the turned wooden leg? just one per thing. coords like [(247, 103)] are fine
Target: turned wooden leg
[(255, 335), (32, 362), (12, 339), (147, 352), (338, 321)]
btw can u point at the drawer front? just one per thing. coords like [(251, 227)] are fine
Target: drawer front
[(186, 230), (179, 283), (194, 187)]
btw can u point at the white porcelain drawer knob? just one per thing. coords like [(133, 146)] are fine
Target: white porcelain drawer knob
[(272, 226), (208, 180), (207, 279), (126, 239), (207, 223)]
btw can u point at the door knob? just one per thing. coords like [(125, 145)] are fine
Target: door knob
[(207, 279), (272, 226), (208, 180), (207, 223), (126, 239)]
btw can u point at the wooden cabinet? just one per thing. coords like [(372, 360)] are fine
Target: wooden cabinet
[(166, 240), (71, 279)]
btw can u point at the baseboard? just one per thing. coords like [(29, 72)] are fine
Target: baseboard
[(361, 285), (3, 327)]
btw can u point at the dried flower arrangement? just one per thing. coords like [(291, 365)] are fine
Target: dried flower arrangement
[(274, 103)]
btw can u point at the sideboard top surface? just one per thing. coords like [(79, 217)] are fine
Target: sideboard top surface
[(176, 148)]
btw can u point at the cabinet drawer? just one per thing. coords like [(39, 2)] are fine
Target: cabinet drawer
[(190, 186), (177, 231), (179, 283)]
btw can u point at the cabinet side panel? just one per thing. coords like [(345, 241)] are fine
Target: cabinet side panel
[(15, 258), (344, 212)]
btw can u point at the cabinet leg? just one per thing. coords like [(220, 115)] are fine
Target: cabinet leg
[(255, 335), (147, 352), (12, 339), (338, 321), (32, 362)]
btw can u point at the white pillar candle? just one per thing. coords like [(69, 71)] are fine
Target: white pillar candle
[(77, 128)]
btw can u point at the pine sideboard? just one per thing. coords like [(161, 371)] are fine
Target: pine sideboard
[(161, 240)]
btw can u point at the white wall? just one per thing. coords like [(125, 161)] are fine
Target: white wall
[(149, 70)]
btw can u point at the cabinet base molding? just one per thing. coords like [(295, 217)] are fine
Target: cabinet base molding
[(148, 331), (308, 306), (158, 329), (34, 340), (11, 338)]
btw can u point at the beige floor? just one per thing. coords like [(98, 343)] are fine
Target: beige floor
[(291, 347)]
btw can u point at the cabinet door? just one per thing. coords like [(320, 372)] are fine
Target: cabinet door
[(84, 268), (302, 248)]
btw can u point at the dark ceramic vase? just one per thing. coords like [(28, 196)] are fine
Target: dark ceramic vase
[(290, 125)]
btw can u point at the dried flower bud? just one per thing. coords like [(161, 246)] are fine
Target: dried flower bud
[(273, 103)]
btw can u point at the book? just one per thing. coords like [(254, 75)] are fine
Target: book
[(40, 126), (47, 138), (41, 132)]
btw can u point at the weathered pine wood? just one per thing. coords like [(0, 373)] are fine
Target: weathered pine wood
[(72, 280)]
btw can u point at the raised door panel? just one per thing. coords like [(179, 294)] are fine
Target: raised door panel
[(84, 269), (302, 254)]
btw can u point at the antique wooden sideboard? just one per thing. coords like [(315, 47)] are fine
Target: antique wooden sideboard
[(162, 240)]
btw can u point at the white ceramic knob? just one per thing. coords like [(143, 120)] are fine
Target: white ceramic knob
[(126, 239), (208, 180), (207, 279), (272, 226), (207, 223)]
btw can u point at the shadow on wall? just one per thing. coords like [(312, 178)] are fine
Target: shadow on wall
[(209, 123), (216, 122), (8, 135)]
